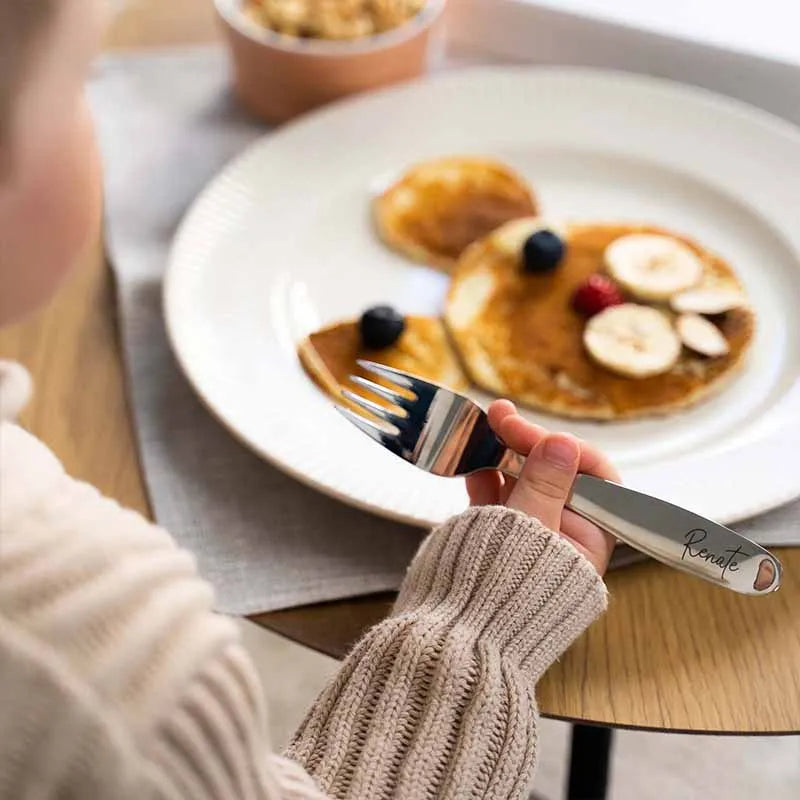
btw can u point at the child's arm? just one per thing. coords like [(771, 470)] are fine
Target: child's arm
[(438, 700), (116, 679)]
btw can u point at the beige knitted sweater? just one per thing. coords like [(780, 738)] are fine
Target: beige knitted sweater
[(117, 680)]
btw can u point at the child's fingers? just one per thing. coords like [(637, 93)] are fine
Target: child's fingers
[(546, 479), (498, 411), (542, 490), (518, 433), (595, 462), (484, 488), (523, 436)]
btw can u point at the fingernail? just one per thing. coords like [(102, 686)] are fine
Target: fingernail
[(560, 452)]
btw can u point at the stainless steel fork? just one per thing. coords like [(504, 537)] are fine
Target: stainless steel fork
[(448, 434)]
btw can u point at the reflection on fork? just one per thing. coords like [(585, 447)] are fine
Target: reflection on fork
[(437, 430)]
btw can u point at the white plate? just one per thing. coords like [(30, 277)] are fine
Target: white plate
[(281, 242)]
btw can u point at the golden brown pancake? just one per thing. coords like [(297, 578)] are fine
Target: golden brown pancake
[(439, 207), (519, 337), (330, 356)]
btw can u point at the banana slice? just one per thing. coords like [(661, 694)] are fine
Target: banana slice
[(632, 340), (707, 301), (510, 237), (702, 336), (652, 267)]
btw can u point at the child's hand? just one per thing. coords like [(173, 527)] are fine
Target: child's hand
[(542, 489)]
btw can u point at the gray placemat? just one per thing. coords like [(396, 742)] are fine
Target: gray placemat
[(167, 125)]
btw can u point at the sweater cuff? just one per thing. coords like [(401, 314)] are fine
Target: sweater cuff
[(504, 578)]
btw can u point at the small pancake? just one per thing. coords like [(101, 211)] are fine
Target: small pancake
[(330, 356), (438, 208), (519, 337)]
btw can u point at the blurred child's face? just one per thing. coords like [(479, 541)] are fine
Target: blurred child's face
[(50, 176)]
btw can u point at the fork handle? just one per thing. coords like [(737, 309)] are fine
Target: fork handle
[(511, 463), (668, 533)]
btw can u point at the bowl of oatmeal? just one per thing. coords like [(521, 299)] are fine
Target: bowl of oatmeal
[(290, 56)]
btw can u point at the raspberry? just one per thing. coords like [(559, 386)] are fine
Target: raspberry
[(598, 293)]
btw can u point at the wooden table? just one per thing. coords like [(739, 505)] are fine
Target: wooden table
[(673, 653)]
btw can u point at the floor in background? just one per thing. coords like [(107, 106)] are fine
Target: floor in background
[(646, 766)]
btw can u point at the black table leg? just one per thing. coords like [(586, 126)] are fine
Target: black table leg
[(589, 761)]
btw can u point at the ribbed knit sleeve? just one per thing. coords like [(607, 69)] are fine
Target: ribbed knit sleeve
[(438, 700), (117, 680)]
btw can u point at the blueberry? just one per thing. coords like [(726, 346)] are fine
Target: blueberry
[(543, 251), (380, 327)]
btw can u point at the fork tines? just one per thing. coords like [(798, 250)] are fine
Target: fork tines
[(373, 430), (374, 408), (395, 376), (401, 401), (381, 391)]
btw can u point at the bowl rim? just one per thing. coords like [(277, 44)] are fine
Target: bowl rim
[(231, 14)]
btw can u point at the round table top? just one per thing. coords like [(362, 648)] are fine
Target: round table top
[(672, 653)]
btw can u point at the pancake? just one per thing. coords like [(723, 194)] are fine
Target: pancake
[(519, 337), (330, 356), (437, 208)]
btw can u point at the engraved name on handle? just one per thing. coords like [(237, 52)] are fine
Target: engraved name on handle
[(728, 559), (677, 536)]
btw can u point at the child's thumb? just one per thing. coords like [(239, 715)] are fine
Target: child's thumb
[(546, 479)]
